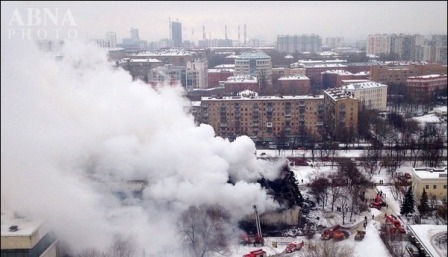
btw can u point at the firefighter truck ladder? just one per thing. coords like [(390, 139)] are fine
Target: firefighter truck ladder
[(257, 221)]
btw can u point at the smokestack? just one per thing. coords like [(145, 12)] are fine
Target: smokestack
[(244, 34), (203, 33), (239, 38), (225, 31)]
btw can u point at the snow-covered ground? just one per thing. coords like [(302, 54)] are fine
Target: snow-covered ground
[(371, 245)]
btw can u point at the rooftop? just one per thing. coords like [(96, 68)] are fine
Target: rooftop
[(249, 96), (430, 173), (427, 236), (294, 77), (363, 85), (25, 227), (254, 55)]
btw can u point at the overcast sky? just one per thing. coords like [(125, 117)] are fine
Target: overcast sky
[(264, 20)]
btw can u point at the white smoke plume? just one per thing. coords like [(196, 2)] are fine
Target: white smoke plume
[(74, 129)]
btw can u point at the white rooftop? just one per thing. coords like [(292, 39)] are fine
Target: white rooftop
[(429, 76), (430, 173), (294, 77), (364, 85), (26, 227), (427, 235), (340, 72)]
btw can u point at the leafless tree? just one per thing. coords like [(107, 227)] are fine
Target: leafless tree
[(205, 229), (327, 249), (335, 192), (344, 203), (120, 247)]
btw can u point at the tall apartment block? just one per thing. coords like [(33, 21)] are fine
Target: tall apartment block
[(299, 43), (341, 113), (176, 33), (264, 118)]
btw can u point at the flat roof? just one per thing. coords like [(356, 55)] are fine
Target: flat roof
[(425, 172), (299, 97), (26, 227), (364, 85), (427, 235)]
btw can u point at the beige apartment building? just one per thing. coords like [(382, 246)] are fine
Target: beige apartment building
[(433, 180), (341, 113), (264, 118), (371, 95)]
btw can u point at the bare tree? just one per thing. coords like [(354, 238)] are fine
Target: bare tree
[(120, 247), (327, 249), (205, 229)]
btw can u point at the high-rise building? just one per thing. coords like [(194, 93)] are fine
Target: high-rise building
[(111, 37), (134, 34), (378, 44), (176, 33), (299, 43), (257, 64)]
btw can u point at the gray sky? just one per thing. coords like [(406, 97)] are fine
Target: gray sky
[(264, 19)]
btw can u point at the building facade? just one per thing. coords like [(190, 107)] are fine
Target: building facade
[(371, 95), (176, 33), (293, 85), (255, 63), (235, 84), (264, 118), (299, 43), (433, 180), (196, 74), (378, 44), (426, 87), (340, 114), (167, 74), (398, 72)]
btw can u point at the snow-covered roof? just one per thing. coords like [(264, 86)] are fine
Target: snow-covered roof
[(430, 173), (241, 79), (294, 77), (429, 76), (339, 72), (254, 55), (219, 70), (427, 236), (364, 85), (26, 227), (263, 97)]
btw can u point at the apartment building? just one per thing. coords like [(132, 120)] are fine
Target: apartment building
[(196, 74), (264, 118), (398, 72), (371, 95), (293, 85), (217, 75), (341, 113), (299, 43), (139, 68), (235, 84), (167, 74), (433, 180), (255, 63), (423, 88), (378, 44)]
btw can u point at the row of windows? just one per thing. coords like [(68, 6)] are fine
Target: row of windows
[(434, 187)]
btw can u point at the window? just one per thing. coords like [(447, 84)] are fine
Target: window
[(434, 187), (427, 186), (444, 186)]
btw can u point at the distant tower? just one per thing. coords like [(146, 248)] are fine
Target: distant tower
[(111, 37), (176, 33), (239, 37), (245, 36), (134, 34), (203, 33), (225, 32)]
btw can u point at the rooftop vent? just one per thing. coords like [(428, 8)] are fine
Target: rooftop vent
[(13, 228)]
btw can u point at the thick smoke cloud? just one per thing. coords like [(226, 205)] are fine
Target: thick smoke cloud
[(74, 130)]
